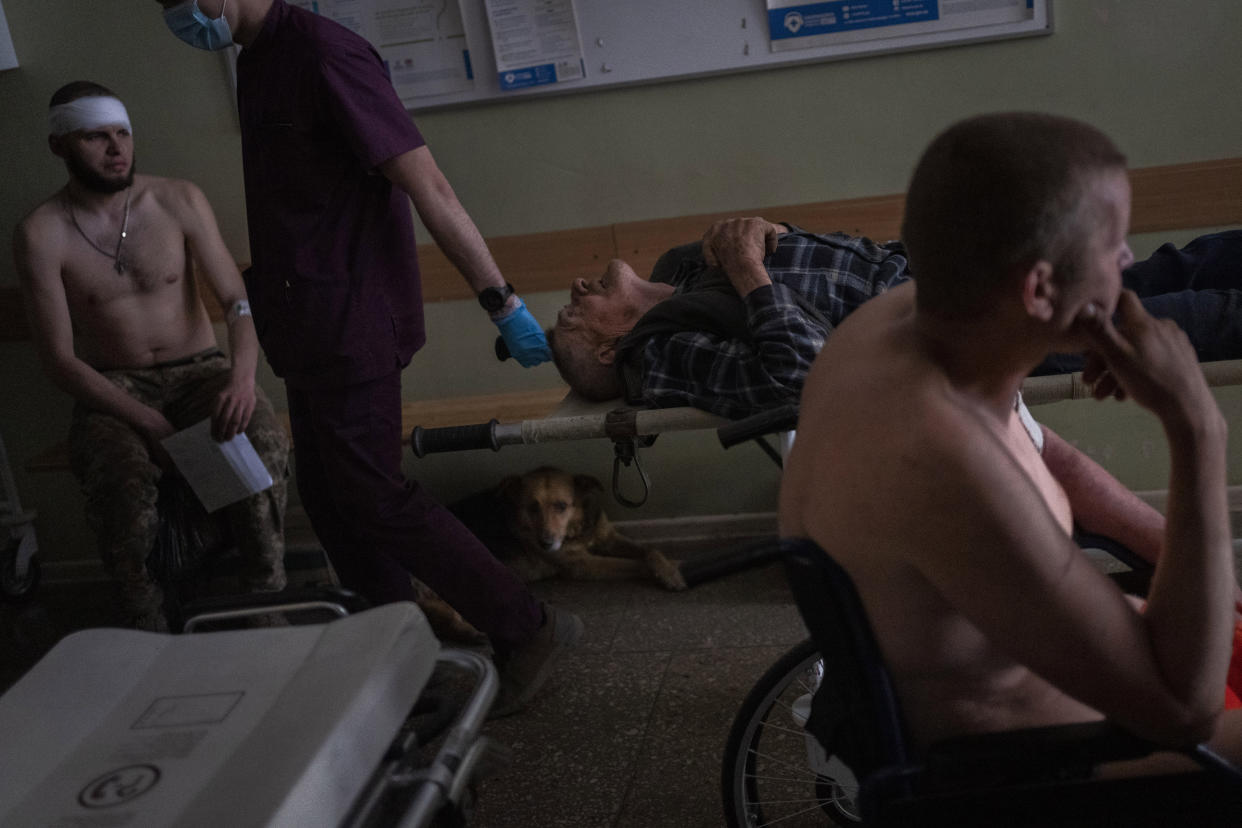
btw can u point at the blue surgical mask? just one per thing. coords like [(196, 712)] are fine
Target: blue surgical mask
[(187, 21)]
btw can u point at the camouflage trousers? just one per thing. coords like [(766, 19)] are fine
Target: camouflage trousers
[(119, 480)]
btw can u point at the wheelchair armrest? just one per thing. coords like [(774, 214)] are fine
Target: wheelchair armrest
[(1055, 752), (1136, 579), (1115, 548)]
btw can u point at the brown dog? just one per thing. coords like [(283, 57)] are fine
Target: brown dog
[(543, 524), (550, 523)]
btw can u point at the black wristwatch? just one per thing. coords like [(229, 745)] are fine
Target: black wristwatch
[(493, 298)]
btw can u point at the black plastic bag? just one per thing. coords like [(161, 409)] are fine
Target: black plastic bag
[(186, 535)]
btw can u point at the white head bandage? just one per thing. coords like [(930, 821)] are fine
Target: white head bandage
[(90, 112)]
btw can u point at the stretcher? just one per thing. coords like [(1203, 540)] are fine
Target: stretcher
[(290, 726), (630, 428)]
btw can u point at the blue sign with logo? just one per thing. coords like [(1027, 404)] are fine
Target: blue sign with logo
[(528, 76), (811, 19)]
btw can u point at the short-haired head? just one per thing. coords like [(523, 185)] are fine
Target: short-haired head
[(994, 194), (578, 361), (82, 111), (79, 89)]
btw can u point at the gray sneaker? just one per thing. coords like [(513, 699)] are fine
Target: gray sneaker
[(529, 666)]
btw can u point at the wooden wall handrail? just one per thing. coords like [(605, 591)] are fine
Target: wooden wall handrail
[(1170, 197)]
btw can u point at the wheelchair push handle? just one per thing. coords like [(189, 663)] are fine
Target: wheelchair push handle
[(781, 418), (426, 441)]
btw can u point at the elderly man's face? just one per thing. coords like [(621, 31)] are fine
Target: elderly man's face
[(602, 309)]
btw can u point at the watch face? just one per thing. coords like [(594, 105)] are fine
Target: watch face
[(494, 298)]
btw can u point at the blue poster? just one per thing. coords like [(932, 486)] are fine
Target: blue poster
[(811, 19), (527, 76)]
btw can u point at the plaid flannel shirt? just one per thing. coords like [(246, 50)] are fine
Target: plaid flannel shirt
[(738, 377)]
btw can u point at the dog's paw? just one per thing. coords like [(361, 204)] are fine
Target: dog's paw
[(668, 573), (451, 628), (445, 622)]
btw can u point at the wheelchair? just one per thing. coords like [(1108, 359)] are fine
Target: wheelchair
[(819, 740)]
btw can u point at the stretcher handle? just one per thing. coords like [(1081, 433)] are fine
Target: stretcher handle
[(425, 441), (782, 418)]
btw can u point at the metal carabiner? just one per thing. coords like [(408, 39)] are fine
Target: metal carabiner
[(625, 451)]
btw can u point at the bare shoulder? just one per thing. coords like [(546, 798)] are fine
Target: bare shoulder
[(173, 198), (39, 235), (171, 192), (891, 455), (43, 217)]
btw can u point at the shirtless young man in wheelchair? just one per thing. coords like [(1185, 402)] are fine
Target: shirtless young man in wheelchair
[(913, 470)]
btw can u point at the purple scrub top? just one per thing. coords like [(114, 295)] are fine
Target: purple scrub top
[(334, 282)]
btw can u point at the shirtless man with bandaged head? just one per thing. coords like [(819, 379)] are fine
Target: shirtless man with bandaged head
[(913, 469), (111, 266)]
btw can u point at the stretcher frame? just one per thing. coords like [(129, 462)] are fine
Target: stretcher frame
[(630, 428), (68, 730)]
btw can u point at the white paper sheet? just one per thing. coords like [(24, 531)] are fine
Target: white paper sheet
[(536, 42), (219, 473), (423, 42)]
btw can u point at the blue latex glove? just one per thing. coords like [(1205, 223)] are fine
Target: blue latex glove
[(523, 336)]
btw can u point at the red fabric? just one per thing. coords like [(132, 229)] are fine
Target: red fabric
[(1233, 680)]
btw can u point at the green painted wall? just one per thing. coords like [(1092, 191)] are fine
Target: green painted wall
[(1160, 78)]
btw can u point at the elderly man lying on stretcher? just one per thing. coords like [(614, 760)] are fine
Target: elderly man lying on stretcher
[(731, 324)]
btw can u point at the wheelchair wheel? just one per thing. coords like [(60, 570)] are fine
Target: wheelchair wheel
[(768, 777)]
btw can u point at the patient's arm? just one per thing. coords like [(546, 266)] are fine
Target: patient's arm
[(1101, 504), (736, 377), (738, 247)]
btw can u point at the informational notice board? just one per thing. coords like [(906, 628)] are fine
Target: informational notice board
[(452, 52), (8, 57)]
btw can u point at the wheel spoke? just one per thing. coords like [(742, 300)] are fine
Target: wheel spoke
[(768, 777), (815, 807), (799, 767)]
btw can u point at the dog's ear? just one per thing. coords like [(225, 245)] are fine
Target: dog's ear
[(589, 493), (509, 490)]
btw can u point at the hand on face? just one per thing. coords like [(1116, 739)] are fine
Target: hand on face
[(1147, 359)]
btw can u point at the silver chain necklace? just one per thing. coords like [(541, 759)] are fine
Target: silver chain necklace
[(119, 262)]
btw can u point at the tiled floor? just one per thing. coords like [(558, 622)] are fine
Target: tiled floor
[(630, 729)]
